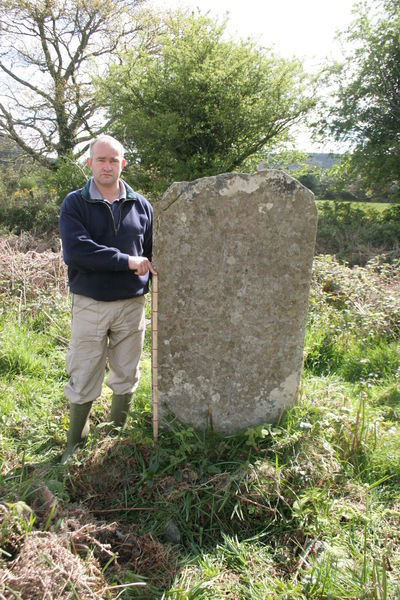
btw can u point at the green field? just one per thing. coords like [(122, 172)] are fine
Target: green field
[(309, 508), (367, 207)]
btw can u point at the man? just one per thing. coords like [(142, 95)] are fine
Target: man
[(106, 233)]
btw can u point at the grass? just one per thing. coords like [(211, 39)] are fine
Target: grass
[(306, 509)]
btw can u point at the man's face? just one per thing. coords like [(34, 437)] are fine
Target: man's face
[(106, 163)]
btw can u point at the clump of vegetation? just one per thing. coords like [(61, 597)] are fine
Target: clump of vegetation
[(354, 320), (304, 509), (356, 232)]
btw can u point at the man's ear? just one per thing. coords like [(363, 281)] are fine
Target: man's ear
[(123, 163), (89, 163)]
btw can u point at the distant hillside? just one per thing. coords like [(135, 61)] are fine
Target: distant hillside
[(319, 160), (323, 160), (316, 160), (9, 150)]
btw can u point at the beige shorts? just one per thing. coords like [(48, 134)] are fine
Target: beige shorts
[(101, 333)]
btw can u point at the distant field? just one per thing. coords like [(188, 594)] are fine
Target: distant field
[(366, 206)]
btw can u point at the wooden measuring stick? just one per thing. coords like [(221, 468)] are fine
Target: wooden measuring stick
[(154, 353)]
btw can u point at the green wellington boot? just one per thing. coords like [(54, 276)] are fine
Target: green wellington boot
[(78, 428), (119, 409)]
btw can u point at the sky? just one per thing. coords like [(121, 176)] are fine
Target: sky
[(305, 29), (302, 28)]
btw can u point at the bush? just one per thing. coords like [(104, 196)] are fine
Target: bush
[(70, 175), (29, 210), (30, 195), (353, 320), (356, 233)]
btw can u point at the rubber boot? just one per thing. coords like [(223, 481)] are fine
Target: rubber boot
[(78, 428), (120, 409)]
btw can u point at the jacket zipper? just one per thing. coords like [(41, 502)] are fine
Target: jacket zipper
[(116, 228)]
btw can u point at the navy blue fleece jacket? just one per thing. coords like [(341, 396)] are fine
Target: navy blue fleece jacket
[(97, 246)]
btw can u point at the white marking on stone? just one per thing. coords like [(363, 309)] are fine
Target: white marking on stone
[(179, 377), (286, 391), (238, 185), (262, 208)]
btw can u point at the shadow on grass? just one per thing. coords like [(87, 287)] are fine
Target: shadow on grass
[(173, 501), (148, 513)]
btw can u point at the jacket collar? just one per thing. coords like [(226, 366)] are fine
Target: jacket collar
[(130, 193)]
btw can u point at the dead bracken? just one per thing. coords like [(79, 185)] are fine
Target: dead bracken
[(68, 560), (29, 268), (45, 569)]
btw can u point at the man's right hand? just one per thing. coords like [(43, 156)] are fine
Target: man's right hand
[(140, 264)]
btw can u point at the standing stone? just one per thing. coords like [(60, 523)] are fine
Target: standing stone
[(234, 257)]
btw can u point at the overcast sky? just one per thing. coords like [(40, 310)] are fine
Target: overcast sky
[(302, 28)]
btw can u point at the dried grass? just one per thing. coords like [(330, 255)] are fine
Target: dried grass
[(142, 554), (28, 269), (102, 477), (68, 562), (46, 569)]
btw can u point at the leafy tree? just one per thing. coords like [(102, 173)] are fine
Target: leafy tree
[(47, 49), (366, 108), (201, 104)]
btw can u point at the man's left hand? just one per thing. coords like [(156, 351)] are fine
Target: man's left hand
[(140, 264)]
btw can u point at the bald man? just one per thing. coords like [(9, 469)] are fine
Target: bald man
[(106, 233)]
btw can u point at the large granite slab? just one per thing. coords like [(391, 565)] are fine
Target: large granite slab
[(234, 257)]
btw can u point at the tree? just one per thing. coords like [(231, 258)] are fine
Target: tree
[(201, 104), (47, 48), (366, 107)]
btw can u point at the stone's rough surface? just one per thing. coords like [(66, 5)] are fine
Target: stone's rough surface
[(234, 256)]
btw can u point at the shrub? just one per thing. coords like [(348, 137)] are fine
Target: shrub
[(353, 320), (29, 210), (70, 175), (357, 233)]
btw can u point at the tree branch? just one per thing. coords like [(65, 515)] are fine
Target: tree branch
[(10, 132), (26, 83)]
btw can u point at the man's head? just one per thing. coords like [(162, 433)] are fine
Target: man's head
[(106, 161)]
